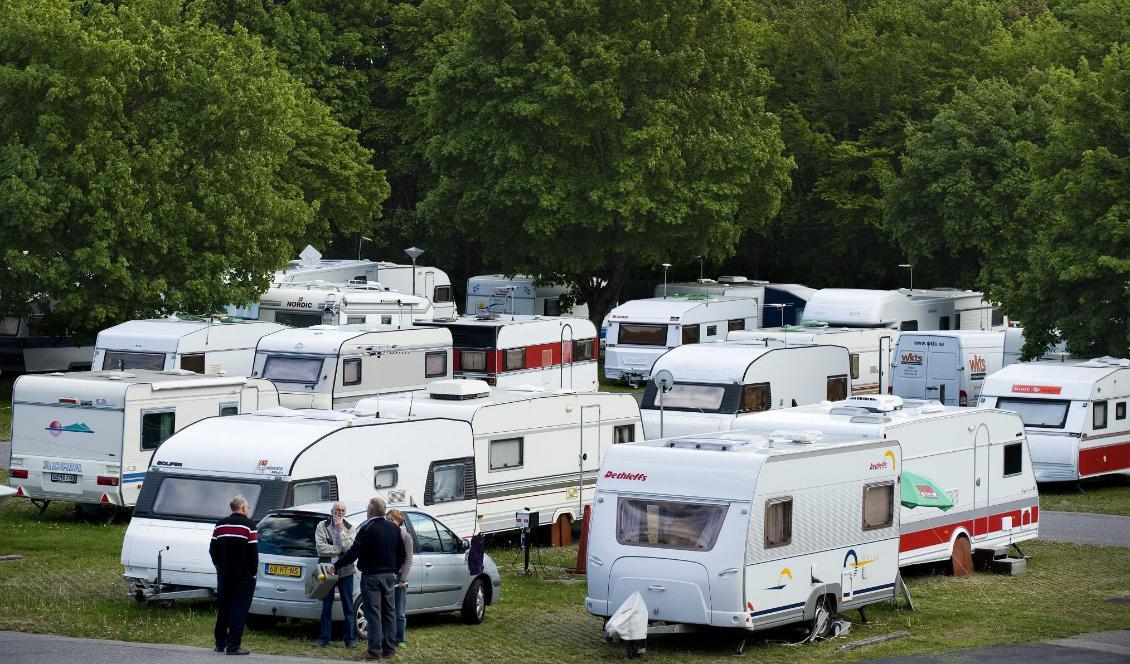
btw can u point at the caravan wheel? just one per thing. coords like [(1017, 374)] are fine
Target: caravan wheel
[(821, 623)]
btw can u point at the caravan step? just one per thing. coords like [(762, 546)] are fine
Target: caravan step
[(1009, 566)]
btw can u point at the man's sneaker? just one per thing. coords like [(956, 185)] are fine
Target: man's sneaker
[(369, 654), (241, 651), (402, 644)]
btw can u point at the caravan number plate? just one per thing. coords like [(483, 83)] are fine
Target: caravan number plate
[(284, 570), (64, 478)]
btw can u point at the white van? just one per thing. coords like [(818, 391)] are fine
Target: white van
[(718, 383), (640, 331), (1074, 414), (319, 303), (327, 366), (87, 437), (224, 346), (499, 294), (870, 349), (745, 531), (279, 458), (950, 367), (977, 456), (534, 449), (902, 309)]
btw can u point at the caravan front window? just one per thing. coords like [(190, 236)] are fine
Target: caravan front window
[(1042, 413), (688, 396), (200, 498), (669, 524), (292, 369), (122, 361), (294, 319), (641, 334)]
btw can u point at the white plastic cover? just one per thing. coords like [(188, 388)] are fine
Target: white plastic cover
[(629, 623)]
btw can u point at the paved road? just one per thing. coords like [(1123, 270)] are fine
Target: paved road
[(1084, 528), (1096, 648)]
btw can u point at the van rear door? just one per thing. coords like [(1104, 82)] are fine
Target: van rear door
[(943, 373)]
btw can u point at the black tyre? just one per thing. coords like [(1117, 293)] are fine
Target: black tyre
[(821, 623), (475, 603)]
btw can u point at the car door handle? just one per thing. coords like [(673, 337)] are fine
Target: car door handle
[(657, 588), (427, 564), (931, 387)]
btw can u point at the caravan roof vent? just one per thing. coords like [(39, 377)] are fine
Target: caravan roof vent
[(931, 407), (118, 375), (1104, 362), (178, 372), (711, 444), (279, 411), (486, 315), (875, 403), (869, 419), (331, 415), (732, 279), (459, 389), (805, 437)]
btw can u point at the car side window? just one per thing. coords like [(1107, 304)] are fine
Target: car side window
[(427, 538), (448, 539)]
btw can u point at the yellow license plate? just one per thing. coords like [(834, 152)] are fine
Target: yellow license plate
[(284, 570)]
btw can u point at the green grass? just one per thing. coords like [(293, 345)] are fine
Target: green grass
[(6, 381), (69, 582), (1102, 495)]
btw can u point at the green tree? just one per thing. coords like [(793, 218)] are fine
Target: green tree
[(583, 138), (150, 165)]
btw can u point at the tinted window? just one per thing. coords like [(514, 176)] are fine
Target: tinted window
[(1043, 413), (1120, 410), (294, 319), (229, 409), (1013, 459), (441, 294), (435, 364), (944, 323), (552, 307), (711, 330), (624, 433), (837, 388), (354, 320), (778, 522), (385, 477), (909, 326), (755, 398), (351, 372), (193, 363), (878, 505), (514, 358), (641, 334), (199, 498), (314, 491), (583, 349), (448, 542), (473, 360), (118, 360), (293, 369), (855, 365), (426, 536), (690, 334), (156, 428), (668, 525), (736, 324), (288, 535), (1099, 414)]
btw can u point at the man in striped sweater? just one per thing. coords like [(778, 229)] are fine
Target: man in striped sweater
[(235, 553)]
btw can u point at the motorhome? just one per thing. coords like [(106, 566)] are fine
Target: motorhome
[(979, 457), (716, 383), (746, 531), (87, 437), (334, 366), (1074, 414), (896, 309), (221, 346), (520, 294), (951, 366), (534, 449), (511, 351), (278, 458), (780, 304), (318, 303), (640, 331), (870, 349)]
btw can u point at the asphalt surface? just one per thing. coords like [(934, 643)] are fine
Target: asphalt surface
[(1085, 528), (1096, 648)]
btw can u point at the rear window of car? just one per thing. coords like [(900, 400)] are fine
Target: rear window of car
[(288, 535)]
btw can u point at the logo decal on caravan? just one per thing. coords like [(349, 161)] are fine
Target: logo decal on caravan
[(1036, 389), (785, 574), (300, 304), (855, 562), (882, 465), (612, 475), (56, 428)]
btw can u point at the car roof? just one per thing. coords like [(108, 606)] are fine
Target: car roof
[(351, 510)]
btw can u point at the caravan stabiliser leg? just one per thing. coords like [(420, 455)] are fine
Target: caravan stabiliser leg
[(1018, 551), (42, 505), (862, 615), (739, 649)]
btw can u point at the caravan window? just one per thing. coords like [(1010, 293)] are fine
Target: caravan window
[(552, 307), (1013, 459), (200, 498), (641, 334), (943, 322), (156, 427), (1120, 410), (514, 358), (473, 360), (778, 522), (229, 409), (385, 477), (909, 326), (668, 524), (292, 369), (1043, 413), (505, 453), (735, 325), (878, 505), (998, 317), (711, 330), (354, 320), (193, 362), (624, 433), (688, 396), (441, 294), (837, 388), (386, 320), (351, 372), (122, 361), (1099, 415), (854, 365), (690, 334), (755, 398), (297, 319), (313, 491), (447, 482), (435, 364), (583, 349)]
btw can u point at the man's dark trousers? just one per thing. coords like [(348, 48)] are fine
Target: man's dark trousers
[(233, 601), (380, 612)]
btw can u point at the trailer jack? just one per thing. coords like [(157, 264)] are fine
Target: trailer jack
[(42, 505)]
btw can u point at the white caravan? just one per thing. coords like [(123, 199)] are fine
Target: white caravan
[(221, 346), (21, 351), (977, 456), (88, 437), (870, 349), (514, 351), (640, 331), (278, 458), (534, 449), (328, 366), (318, 303), (430, 283), (1074, 414), (745, 531), (950, 367), (971, 311), (897, 309), (499, 294), (725, 286), (718, 383)]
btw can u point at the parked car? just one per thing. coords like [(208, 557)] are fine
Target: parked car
[(439, 580)]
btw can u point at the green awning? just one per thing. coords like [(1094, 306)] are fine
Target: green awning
[(919, 491)]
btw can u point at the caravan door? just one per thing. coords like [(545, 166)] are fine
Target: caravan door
[(981, 479)]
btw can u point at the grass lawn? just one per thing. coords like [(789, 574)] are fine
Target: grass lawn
[(69, 583), (1102, 495), (6, 381)]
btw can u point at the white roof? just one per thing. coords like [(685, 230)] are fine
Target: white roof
[(865, 416), (1067, 380), (328, 339), (90, 385), (710, 362), (521, 330), (421, 403), (163, 335), (664, 309)]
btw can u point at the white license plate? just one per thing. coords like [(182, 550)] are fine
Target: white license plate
[(64, 478)]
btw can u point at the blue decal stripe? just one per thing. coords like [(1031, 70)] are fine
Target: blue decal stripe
[(778, 609), (873, 589), (129, 477)]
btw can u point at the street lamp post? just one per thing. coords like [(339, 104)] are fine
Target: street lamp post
[(361, 239), (414, 253), (910, 267), (666, 266)]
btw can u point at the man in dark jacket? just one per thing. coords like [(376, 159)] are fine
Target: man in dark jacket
[(379, 552), (235, 553)]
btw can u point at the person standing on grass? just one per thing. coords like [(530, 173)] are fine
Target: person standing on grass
[(235, 554), (401, 603), (379, 552), (332, 537)]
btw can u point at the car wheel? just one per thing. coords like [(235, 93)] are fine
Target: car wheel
[(359, 621), (475, 603)]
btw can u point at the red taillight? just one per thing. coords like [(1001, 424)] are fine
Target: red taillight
[(962, 398), (106, 480), (890, 389), (18, 473)]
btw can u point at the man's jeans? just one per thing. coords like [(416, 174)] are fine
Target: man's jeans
[(345, 588), (380, 611), (401, 605)]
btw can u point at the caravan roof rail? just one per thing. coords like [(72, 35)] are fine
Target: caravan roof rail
[(803, 437), (713, 445)]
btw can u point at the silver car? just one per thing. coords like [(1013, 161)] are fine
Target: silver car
[(439, 580)]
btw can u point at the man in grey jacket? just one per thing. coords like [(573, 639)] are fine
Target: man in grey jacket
[(332, 538)]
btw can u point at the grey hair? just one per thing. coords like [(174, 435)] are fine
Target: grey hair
[(377, 506), (237, 503)]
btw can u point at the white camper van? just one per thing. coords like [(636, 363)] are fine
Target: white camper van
[(499, 294), (870, 349), (1074, 414), (950, 367), (979, 457), (897, 309), (279, 458), (512, 351), (224, 346), (720, 382), (88, 437), (318, 303), (640, 331), (534, 449), (333, 367), (745, 531)]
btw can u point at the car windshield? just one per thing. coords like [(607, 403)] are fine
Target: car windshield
[(1042, 413), (289, 535)]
